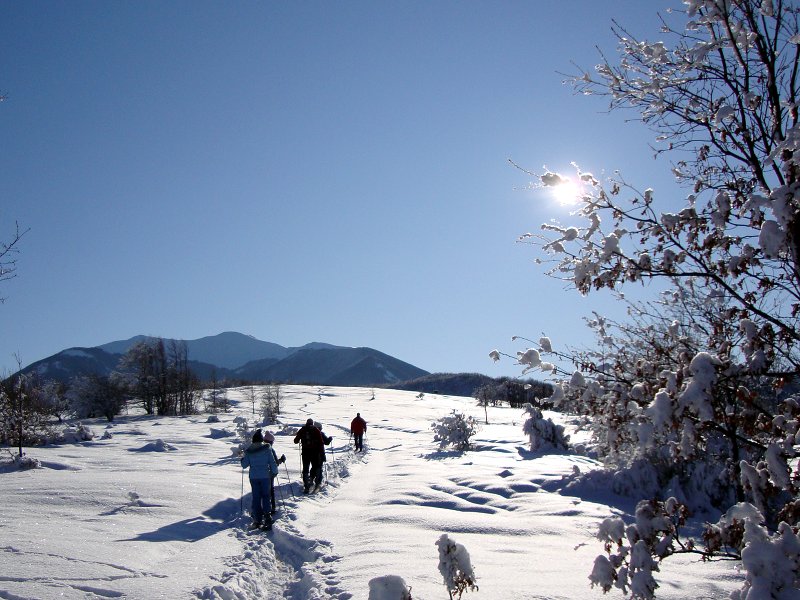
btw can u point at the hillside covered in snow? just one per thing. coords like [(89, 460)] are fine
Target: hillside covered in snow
[(157, 508)]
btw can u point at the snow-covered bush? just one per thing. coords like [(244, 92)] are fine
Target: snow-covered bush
[(455, 567), (220, 432), (633, 552), (18, 462), (389, 587), (76, 434), (543, 433), (244, 434), (454, 430), (26, 462), (158, 446), (629, 562), (770, 562)]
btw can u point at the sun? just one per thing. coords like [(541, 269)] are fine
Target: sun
[(567, 192)]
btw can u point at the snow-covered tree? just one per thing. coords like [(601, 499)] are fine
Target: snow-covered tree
[(455, 566), (454, 430), (702, 385)]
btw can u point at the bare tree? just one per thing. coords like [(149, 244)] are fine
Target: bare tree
[(251, 395), (271, 403), (158, 375), (8, 255), (485, 395), (25, 416), (95, 395)]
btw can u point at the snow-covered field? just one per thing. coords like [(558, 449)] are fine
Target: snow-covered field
[(134, 517)]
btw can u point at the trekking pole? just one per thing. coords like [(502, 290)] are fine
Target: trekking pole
[(280, 493), (288, 480), (241, 497)]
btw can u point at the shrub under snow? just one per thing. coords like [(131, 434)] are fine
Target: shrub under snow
[(73, 435), (454, 430), (543, 433), (455, 567), (389, 587), (19, 462)]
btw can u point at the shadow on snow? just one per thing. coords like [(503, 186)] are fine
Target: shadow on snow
[(212, 521)]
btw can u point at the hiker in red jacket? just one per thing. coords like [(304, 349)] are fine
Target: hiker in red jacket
[(358, 427)]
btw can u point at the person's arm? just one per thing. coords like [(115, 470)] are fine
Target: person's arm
[(273, 463), (280, 460)]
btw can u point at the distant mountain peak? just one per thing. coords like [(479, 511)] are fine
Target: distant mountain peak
[(231, 354)]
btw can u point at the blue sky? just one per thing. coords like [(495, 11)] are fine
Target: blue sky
[(299, 171)]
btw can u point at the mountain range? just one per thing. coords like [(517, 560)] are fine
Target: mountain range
[(233, 355)]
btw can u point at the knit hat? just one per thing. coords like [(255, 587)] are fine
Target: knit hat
[(258, 437), (269, 438)]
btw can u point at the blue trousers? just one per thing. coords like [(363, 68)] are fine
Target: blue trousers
[(262, 501)]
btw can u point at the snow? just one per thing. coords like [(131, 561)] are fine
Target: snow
[(155, 511), (553, 179), (771, 239), (696, 394)]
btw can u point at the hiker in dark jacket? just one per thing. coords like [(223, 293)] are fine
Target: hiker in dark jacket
[(263, 468), (358, 427), (312, 447)]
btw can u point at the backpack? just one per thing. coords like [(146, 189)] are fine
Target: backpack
[(310, 438)]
